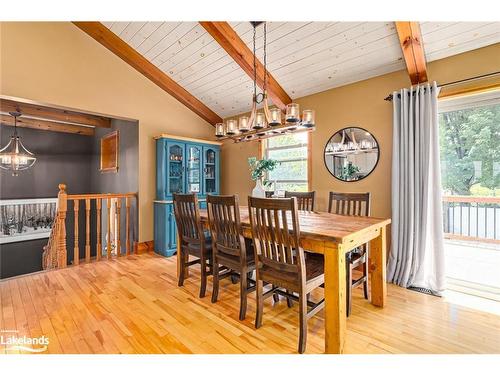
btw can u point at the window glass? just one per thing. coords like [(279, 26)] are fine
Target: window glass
[(291, 151)]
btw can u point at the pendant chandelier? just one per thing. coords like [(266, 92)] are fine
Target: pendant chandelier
[(268, 122), (15, 157)]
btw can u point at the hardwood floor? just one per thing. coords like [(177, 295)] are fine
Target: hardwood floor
[(133, 305)]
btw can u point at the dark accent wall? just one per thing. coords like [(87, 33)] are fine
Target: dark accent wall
[(61, 157), (73, 160), (125, 180)]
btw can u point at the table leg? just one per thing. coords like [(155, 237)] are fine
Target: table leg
[(377, 255), (335, 303)]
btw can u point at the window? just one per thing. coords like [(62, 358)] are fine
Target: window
[(470, 139), (291, 151)]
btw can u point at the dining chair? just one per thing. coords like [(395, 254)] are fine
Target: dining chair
[(280, 260), (193, 241), (353, 204), (305, 200), (229, 248)]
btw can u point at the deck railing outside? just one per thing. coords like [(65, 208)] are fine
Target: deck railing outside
[(472, 218)]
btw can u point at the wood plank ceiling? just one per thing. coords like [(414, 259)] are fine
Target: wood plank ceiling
[(304, 57)]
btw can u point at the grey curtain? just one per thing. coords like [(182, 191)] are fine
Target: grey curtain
[(417, 254)]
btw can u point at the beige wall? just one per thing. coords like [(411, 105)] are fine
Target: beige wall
[(359, 104), (59, 64)]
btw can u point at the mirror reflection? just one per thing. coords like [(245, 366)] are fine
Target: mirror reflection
[(351, 154)]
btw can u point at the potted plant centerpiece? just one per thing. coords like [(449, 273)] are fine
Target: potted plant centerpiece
[(259, 168)]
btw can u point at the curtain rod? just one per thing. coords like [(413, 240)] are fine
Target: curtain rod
[(389, 97)]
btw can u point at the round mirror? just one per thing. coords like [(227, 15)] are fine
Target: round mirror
[(351, 154)]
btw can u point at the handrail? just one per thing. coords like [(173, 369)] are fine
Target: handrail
[(470, 199), (471, 218), (101, 195)]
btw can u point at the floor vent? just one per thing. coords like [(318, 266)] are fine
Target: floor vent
[(423, 290)]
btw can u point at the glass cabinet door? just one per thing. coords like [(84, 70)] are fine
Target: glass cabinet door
[(175, 158), (193, 167), (209, 170)]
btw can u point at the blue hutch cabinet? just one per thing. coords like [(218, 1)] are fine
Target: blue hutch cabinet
[(183, 165)]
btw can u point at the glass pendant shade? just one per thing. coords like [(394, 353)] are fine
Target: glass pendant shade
[(260, 121), (308, 118), (292, 113), (275, 119), (219, 130), (231, 127), (243, 124)]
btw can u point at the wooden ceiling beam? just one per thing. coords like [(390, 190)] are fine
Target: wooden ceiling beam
[(31, 123), (412, 46), (128, 54), (231, 42), (56, 114)]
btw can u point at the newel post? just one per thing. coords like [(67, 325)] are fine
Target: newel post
[(62, 207)]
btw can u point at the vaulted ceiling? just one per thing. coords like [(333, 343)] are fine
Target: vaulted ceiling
[(303, 57)]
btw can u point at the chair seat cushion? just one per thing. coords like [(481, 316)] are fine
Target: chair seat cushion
[(232, 261), (315, 266), (194, 248)]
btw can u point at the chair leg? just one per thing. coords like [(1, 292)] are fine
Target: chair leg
[(182, 269), (203, 288), (234, 278), (289, 301), (243, 295), (259, 304), (365, 274), (348, 288), (302, 322), (276, 297), (215, 286)]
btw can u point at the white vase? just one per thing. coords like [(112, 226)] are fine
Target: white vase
[(258, 191)]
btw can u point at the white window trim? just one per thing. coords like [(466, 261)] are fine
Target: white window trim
[(469, 101)]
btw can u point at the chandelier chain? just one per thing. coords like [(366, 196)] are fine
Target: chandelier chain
[(265, 56), (15, 126), (254, 63)]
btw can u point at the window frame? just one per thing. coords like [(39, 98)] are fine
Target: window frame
[(264, 152), (475, 100)]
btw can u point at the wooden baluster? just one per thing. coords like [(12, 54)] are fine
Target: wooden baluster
[(76, 251), (87, 230), (127, 225), (108, 243), (62, 204), (117, 221), (99, 241)]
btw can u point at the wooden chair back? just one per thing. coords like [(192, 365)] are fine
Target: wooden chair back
[(225, 227), (352, 204), (275, 232), (305, 200), (187, 217)]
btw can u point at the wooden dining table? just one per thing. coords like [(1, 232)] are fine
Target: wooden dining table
[(333, 235)]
